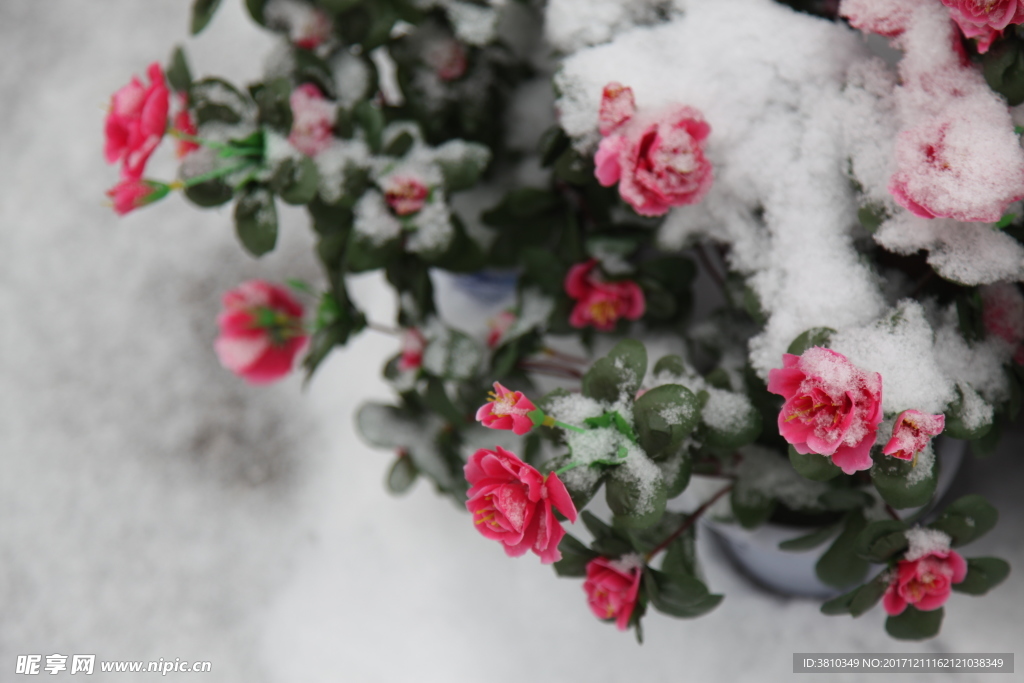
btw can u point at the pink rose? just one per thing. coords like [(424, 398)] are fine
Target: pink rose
[(912, 433), (447, 58), (498, 326), (832, 407), (939, 175), (405, 194), (612, 588), (132, 193), (600, 303), (511, 502), (985, 19), (261, 331), (413, 345), (924, 582), (137, 121), (312, 120), (507, 410), (1002, 313), (658, 160)]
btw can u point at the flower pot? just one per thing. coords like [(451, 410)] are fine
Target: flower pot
[(756, 551)]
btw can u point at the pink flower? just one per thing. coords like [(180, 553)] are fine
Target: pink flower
[(261, 331), (658, 161), (132, 193), (1002, 313), (307, 27), (985, 19), (498, 326), (600, 303), (312, 120), (511, 502), (507, 410), (617, 107), (832, 407), (912, 433), (183, 123), (405, 194), (612, 588), (939, 174), (413, 345), (447, 58), (924, 582), (137, 121), (888, 18)]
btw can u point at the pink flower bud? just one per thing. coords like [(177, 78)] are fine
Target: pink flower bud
[(601, 303), (912, 432), (513, 503), (413, 345), (132, 193), (312, 120), (261, 331), (832, 407), (136, 122), (405, 194), (612, 587), (507, 410)]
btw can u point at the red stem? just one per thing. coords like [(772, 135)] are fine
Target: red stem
[(690, 521)]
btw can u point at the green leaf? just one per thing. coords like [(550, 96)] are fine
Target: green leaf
[(575, 556), (452, 355), (967, 519), (363, 255), (1003, 66), (202, 13), (840, 566), (840, 604), (987, 445), (813, 466), (811, 540), (1005, 220), (371, 120), (400, 145), (296, 180), (983, 574), (255, 8), (681, 555), (573, 168), (214, 99), (913, 624), (670, 365), (868, 595), (900, 485), (210, 193), (751, 506), (553, 143), (461, 171), (816, 336), (621, 371), (636, 504), (520, 204), (179, 76), (957, 428), (845, 499), (608, 541), (678, 595), (882, 540), (743, 429), (402, 474), (872, 216), (437, 400), (273, 104), (676, 471), (664, 416), (309, 68), (256, 220)]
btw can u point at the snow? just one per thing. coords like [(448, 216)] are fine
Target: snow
[(926, 542), (155, 506)]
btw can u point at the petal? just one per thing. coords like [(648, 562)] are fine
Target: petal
[(559, 497), (852, 459), (892, 602)]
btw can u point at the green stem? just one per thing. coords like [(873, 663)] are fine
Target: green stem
[(217, 173)]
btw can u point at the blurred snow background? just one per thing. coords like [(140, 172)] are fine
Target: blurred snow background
[(152, 505)]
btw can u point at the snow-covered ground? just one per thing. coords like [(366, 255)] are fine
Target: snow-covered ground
[(152, 505)]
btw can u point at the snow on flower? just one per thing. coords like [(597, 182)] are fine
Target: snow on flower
[(925, 576), (447, 58), (1002, 313), (832, 407), (405, 194), (513, 503), (261, 331), (312, 120), (413, 344), (306, 26), (132, 193), (612, 587), (658, 159), (939, 159), (985, 19), (888, 18), (912, 433), (601, 303), (498, 326), (136, 122), (507, 410)]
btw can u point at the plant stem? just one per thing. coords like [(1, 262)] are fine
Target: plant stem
[(705, 260), (690, 521), (384, 329), (892, 513), (564, 356), (558, 370)]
